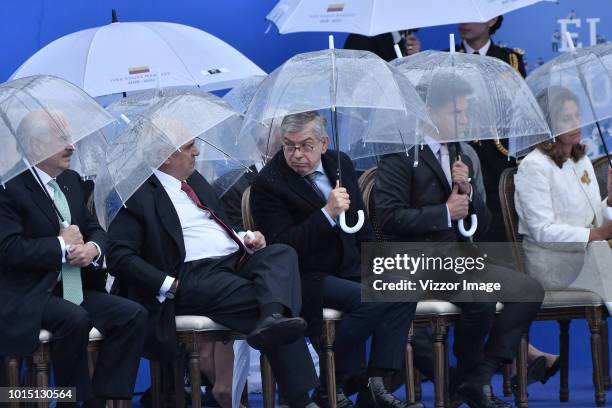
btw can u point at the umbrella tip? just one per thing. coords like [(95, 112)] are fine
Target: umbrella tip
[(114, 18)]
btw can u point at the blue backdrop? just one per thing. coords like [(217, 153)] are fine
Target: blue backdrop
[(28, 25)]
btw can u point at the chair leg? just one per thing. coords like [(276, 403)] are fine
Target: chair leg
[(155, 370), (605, 348), (178, 369), (418, 390), (409, 369), (193, 356), (446, 373), (41, 360), (507, 383), (267, 382), (521, 369), (328, 338), (12, 375), (564, 356), (594, 317), (439, 333)]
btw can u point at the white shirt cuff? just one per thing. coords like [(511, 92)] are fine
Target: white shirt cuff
[(97, 258), (64, 248), (164, 288), (329, 218), (448, 217), (471, 192)]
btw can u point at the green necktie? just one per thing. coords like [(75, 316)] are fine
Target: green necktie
[(71, 275)]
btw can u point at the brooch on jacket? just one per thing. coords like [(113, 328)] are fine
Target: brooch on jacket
[(585, 179)]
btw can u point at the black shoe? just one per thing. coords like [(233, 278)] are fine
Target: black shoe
[(476, 396), (500, 403), (320, 398), (376, 396), (276, 330)]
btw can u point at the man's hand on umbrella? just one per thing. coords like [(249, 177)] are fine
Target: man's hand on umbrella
[(82, 255), (72, 235), (255, 244), (338, 201), (461, 176), (458, 204)]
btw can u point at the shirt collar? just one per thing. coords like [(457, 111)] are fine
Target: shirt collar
[(44, 177), (482, 51), (169, 182), (433, 144)]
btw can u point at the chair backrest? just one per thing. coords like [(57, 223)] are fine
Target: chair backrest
[(600, 166), (247, 217), (508, 208), (366, 185)]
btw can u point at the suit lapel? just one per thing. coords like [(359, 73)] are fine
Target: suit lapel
[(298, 184), (40, 199), (167, 214), (428, 157)]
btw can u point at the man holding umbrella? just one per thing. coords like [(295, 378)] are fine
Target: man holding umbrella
[(296, 200), (51, 276)]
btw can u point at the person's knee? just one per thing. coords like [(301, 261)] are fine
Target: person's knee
[(78, 322)]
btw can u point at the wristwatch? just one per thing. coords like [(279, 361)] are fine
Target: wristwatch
[(171, 293)]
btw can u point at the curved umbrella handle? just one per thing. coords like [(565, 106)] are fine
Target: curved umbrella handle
[(357, 227), (472, 230)]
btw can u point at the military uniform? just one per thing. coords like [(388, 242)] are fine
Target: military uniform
[(493, 155)]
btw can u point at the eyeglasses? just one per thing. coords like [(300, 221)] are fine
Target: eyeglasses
[(305, 148)]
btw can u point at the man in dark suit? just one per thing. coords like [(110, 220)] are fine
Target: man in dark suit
[(173, 251), (51, 277), (423, 204), (296, 200), (476, 39), (383, 44)]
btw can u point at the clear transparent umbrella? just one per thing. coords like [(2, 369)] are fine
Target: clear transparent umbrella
[(371, 107), (70, 115), (471, 97), (158, 132), (583, 75), (240, 96)]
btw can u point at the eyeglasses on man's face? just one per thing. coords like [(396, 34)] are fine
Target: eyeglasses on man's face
[(307, 147)]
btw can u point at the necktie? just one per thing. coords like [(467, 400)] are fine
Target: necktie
[(194, 197), (311, 178), (71, 275), (445, 163)]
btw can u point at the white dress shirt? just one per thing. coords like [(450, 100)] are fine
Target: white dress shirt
[(482, 51)]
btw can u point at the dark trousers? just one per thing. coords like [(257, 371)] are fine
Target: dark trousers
[(387, 323), (121, 322), (232, 294)]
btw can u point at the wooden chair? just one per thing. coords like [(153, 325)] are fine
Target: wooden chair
[(562, 306), (328, 335)]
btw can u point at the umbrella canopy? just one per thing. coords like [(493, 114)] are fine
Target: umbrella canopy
[(373, 17), (221, 177), (125, 57), (41, 116), (371, 107), (489, 98), (157, 133), (240, 96), (582, 77)]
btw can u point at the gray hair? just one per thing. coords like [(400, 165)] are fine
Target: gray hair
[(299, 122)]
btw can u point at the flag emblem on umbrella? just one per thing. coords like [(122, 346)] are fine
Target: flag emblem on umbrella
[(335, 7), (214, 71), (138, 70)]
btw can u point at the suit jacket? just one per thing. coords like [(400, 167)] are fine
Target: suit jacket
[(410, 201), (146, 245), (287, 210), (31, 256), (381, 45)]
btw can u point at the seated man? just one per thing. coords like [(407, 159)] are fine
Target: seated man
[(423, 204), (51, 277), (171, 241), (294, 202)]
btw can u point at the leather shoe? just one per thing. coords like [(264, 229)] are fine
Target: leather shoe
[(321, 398), (477, 396), (376, 396), (276, 330)]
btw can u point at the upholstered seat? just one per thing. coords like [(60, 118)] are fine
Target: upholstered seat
[(197, 323)]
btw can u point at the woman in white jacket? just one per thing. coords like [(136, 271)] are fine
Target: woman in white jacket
[(561, 215)]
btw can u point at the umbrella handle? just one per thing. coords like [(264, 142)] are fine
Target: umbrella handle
[(249, 234), (357, 227), (472, 230)]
